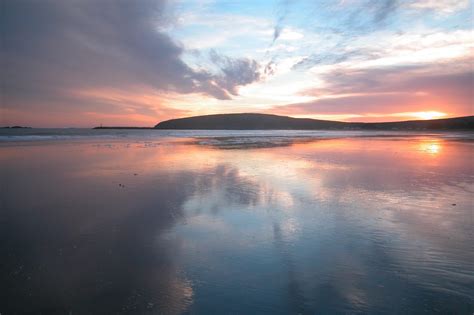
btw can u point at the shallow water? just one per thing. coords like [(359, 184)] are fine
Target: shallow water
[(226, 222)]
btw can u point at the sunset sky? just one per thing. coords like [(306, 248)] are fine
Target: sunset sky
[(135, 63)]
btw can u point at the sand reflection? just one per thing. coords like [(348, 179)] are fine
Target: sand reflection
[(431, 147)]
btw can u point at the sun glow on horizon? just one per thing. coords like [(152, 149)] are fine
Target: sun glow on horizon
[(374, 117), (429, 115)]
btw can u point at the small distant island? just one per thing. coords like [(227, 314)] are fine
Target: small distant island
[(255, 121), (15, 127)]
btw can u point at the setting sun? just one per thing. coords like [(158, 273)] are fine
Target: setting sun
[(429, 115)]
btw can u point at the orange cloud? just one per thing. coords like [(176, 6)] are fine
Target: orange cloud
[(92, 107), (396, 93)]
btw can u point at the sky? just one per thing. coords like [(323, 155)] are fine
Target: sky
[(135, 63)]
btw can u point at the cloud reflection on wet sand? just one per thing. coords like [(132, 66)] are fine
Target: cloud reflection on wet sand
[(333, 225)]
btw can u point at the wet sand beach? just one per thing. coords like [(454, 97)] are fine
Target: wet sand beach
[(169, 223)]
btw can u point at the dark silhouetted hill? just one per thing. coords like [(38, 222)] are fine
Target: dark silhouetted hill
[(248, 121)]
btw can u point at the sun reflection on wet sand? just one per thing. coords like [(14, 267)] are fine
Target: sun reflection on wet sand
[(430, 146)]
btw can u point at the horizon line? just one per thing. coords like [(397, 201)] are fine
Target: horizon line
[(16, 126)]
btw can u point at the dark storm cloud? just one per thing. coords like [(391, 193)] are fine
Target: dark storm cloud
[(50, 48)]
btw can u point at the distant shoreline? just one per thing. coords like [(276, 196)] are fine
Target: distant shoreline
[(254, 121)]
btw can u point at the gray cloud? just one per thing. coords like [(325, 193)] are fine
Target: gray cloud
[(234, 72), (269, 68), (52, 47), (439, 78), (282, 14), (340, 54), (372, 14)]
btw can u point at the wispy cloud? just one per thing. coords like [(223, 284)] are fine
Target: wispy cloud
[(283, 10), (439, 6)]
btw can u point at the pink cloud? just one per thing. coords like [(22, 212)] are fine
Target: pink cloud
[(384, 92)]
